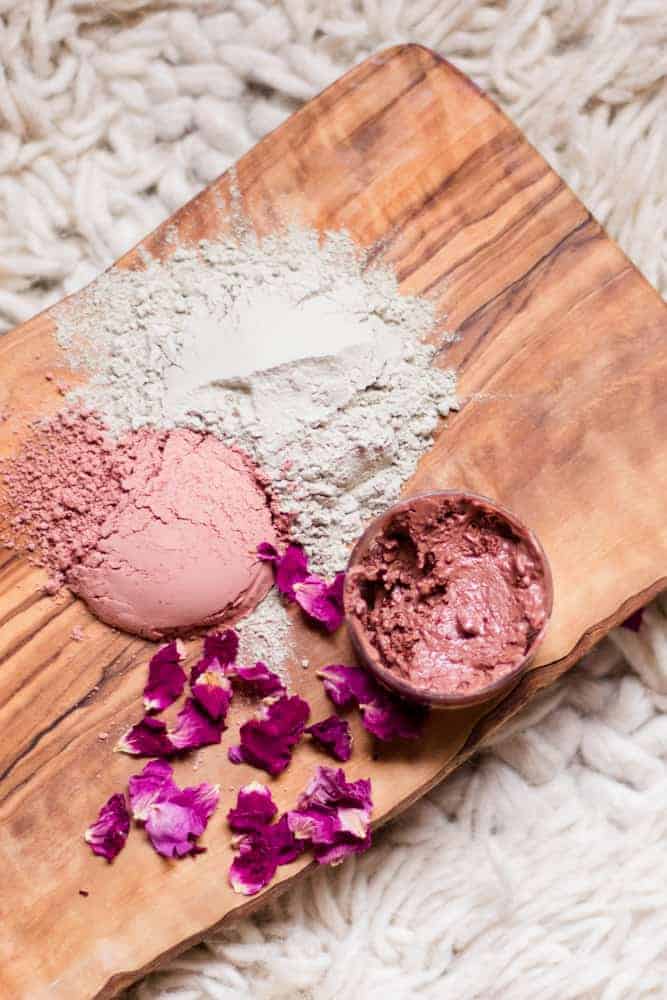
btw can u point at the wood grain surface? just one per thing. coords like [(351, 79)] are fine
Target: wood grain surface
[(561, 349)]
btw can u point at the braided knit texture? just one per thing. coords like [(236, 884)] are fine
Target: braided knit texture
[(537, 871)]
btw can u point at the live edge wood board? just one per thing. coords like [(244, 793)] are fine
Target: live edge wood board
[(561, 352)]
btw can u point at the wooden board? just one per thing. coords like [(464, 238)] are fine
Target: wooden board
[(562, 356)]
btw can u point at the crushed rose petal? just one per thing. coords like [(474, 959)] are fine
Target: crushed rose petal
[(254, 808), (108, 834), (333, 735), (154, 784), (147, 738), (174, 824), (259, 854), (222, 646), (259, 679), (267, 741), (194, 728), (333, 815), (212, 689), (383, 714), (166, 678), (290, 568), (322, 601)]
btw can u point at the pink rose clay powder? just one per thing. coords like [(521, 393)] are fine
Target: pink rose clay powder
[(157, 533)]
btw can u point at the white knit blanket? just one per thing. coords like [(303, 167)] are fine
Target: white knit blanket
[(538, 871)]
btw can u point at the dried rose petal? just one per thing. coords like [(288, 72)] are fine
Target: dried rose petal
[(259, 679), (254, 808), (333, 815), (166, 678), (254, 866), (194, 728), (383, 714), (173, 825), (348, 685), (154, 784), (107, 835), (147, 739), (267, 741), (222, 646), (633, 621), (322, 601), (284, 844), (290, 568), (212, 689), (333, 735)]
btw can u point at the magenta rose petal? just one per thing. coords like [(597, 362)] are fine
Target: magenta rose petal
[(284, 844), (259, 680), (267, 741), (108, 834), (166, 678), (322, 601), (333, 815), (254, 808), (347, 686), (266, 552), (174, 825), (254, 866), (390, 718), (288, 569), (154, 784), (147, 738), (222, 646), (332, 735), (194, 728), (212, 690)]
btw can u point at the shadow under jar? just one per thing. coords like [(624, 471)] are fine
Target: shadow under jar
[(447, 597)]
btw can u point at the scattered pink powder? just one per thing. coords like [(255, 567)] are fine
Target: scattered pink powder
[(157, 532)]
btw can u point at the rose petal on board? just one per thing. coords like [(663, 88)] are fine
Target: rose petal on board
[(254, 866), (166, 678), (259, 680), (212, 690), (223, 646), (174, 825), (267, 741), (194, 728), (254, 808), (322, 601), (283, 843), (288, 569), (333, 815), (154, 784), (334, 736), (383, 714), (108, 834), (347, 686), (147, 738)]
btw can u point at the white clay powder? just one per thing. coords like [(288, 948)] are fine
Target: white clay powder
[(292, 347)]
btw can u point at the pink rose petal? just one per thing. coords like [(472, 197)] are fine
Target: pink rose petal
[(147, 738), (254, 866), (333, 735), (259, 680), (383, 714), (254, 808), (322, 601), (174, 825), (213, 690), (166, 678), (154, 784), (267, 741), (290, 568), (194, 728), (333, 815), (108, 834), (223, 646)]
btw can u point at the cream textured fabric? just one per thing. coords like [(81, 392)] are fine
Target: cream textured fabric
[(539, 871)]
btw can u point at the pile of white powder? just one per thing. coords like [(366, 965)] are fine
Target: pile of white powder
[(292, 347)]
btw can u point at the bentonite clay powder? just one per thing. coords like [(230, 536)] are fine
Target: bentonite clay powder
[(450, 596), (157, 532)]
